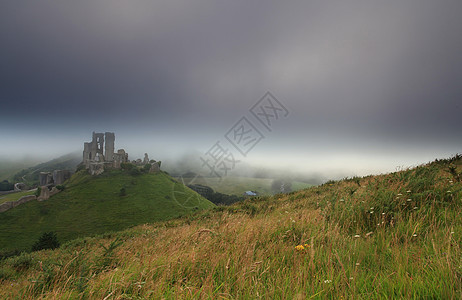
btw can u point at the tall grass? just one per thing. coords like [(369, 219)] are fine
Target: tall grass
[(362, 239)]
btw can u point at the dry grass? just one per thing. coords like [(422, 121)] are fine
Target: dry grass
[(249, 250)]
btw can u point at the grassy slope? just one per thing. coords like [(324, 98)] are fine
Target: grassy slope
[(391, 236), (9, 167), (92, 205), (238, 185), (14, 196), (30, 175)]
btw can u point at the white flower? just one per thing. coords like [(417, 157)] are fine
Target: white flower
[(327, 281), (357, 236)]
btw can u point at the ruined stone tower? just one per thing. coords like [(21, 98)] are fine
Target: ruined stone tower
[(109, 149), (97, 155)]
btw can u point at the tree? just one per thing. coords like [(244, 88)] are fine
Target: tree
[(48, 240)]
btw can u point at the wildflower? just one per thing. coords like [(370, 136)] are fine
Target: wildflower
[(415, 207), (448, 192), (383, 214), (306, 246), (299, 248), (372, 212), (341, 200), (357, 263), (351, 278), (408, 191), (327, 281), (357, 236), (414, 235), (409, 200), (452, 232), (400, 194)]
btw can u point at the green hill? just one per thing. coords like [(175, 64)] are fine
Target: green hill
[(392, 236), (92, 205), (30, 176)]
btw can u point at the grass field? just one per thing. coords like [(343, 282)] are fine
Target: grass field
[(393, 236), (15, 196), (94, 205), (238, 185)]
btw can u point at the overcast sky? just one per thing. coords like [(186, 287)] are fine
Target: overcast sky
[(368, 86)]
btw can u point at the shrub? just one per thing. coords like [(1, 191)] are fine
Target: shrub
[(135, 172), (122, 192), (60, 187), (48, 240), (38, 191), (127, 166), (6, 186), (146, 168)]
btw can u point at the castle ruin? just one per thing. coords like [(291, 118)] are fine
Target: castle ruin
[(99, 153)]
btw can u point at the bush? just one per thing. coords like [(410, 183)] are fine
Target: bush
[(60, 187), (6, 186), (127, 166), (80, 167), (122, 192), (146, 168), (48, 240), (38, 192), (135, 172)]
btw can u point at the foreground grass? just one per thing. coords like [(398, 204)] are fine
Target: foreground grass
[(390, 236)]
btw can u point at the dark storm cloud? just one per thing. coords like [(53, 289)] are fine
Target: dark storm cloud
[(350, 72)]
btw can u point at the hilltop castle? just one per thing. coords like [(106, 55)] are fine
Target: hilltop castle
[(97, 154)]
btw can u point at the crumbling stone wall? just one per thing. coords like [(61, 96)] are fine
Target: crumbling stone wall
[(10, 204)]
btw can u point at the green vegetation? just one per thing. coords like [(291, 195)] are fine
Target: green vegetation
[(238, 185), (14, 196), (94, 205), (30, 176), (393, 236), (5, 185), (48, 240)]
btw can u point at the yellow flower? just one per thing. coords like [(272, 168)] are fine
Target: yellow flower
[(299, 248)]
